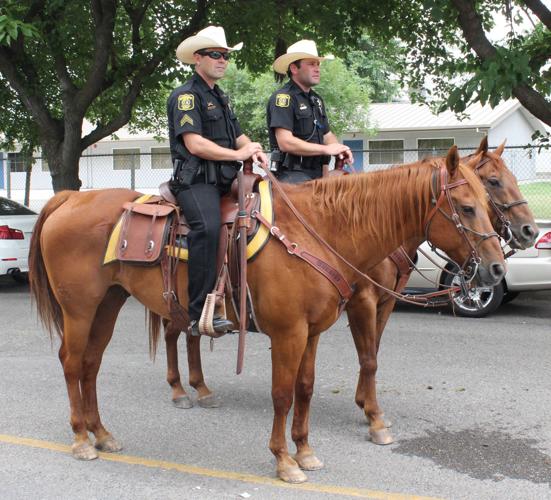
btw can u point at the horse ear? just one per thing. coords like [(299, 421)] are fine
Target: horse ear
[(474, 160), (452, 160), (500, 148), (483, 147)]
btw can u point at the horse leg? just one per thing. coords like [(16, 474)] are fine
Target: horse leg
[(304, 388), (286, 357), (179, 396), (363, 316), (100, 335), (76, 329), (205, 397)]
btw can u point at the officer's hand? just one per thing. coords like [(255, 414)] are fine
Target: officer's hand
[(260, 158), (341, 151), (248, 150)]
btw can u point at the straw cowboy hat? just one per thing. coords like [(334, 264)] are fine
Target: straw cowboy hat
[(210, 37), (303, 49)]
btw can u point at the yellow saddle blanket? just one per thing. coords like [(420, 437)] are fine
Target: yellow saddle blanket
[(255, 242)]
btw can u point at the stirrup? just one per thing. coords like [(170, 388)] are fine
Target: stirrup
[(212, 309)]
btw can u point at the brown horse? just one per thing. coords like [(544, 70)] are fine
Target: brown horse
[(368, 311), (364, 217)]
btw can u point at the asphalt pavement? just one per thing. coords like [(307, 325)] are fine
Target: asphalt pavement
[(468, 400)]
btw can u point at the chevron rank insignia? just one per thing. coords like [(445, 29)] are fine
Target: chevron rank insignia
[(186, 119), (186, 102), (283, 100)]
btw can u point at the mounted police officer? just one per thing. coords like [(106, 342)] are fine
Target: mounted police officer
[(206, 144), (300, 137)]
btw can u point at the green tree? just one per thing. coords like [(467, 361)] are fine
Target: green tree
[(379, 64), (67, 60), (451, 60), (108, 60)]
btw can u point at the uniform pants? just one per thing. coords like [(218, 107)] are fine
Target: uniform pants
[(200, 204)]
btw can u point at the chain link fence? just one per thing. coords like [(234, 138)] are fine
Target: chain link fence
[(29, 182)]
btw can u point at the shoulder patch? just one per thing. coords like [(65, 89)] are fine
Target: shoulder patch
[(186, 119), (186, 102), (283, 100)]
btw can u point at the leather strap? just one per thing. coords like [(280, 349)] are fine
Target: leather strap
[(336, 278), (169, 266), (403, 265)]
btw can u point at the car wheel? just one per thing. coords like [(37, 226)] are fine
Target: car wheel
[(479, 302), (22, 278)]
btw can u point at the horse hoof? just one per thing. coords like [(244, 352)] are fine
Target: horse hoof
[(208, 401), (381, 436), (292, 474), (183, 402), (108, 445), (308, 462), (84, 451)]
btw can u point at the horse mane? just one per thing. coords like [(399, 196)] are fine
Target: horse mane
[(367, 202)]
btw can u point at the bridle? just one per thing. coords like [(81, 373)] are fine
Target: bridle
[(499, 208), (470, 266)]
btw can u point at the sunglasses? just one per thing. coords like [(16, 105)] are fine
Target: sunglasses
[(215, 54)]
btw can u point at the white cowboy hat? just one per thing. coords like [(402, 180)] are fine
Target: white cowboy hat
[(303, 49), (210, 37)]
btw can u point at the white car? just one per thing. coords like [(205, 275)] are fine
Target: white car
[(527, 270), (16, 227)]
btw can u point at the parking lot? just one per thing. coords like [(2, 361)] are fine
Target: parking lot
[(468, 401)]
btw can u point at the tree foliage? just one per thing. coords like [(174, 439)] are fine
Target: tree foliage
[(109, 61), (451, 60)]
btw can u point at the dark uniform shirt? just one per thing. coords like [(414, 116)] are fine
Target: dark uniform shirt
[(303, 114), (195, 107)]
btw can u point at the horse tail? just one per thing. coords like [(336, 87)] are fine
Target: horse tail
[(154, 327), (47, 305)]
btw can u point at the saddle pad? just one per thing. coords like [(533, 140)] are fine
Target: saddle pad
[(255, 242)]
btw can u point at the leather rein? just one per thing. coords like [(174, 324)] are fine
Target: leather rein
[(420, 300)]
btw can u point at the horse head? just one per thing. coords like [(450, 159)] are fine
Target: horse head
[(459, 223), (510, 214)]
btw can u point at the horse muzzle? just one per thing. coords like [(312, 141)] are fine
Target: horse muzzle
[(524, 236), (490, 275)]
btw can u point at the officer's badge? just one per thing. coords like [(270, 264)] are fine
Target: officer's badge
[(186, 119), (186, 102), (283, 100), (302, 106)]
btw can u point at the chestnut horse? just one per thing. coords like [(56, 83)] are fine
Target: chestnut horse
[(364, 217), (368, 311)]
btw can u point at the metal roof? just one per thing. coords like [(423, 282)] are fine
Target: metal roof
[(397, 116)]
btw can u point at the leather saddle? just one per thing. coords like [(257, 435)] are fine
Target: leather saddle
[(146, 226)]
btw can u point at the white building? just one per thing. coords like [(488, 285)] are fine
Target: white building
[(405, 126)]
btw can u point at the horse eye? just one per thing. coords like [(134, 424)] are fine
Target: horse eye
[(467, 210), (494, 182)]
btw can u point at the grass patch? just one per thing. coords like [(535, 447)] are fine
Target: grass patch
[(538, 195)]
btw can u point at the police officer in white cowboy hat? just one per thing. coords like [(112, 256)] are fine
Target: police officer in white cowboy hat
[(206, 142), (300, 137)]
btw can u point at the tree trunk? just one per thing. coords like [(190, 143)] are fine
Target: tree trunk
[(63, 160), (67, 179), (28, 170)]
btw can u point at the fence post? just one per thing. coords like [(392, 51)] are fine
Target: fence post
[(8, 178), (133, 173)]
